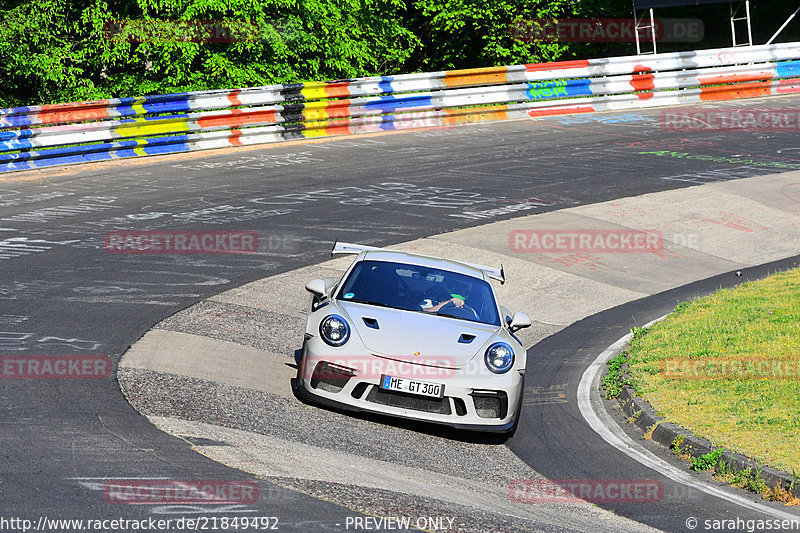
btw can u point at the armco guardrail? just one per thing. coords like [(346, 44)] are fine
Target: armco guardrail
[(43, 136)]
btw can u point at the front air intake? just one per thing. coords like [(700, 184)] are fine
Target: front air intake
[(330, 377)]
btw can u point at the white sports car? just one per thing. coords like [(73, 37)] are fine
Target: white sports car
[(415, 337)]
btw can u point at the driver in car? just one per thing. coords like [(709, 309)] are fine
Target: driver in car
[(428, 307), (456, 298)]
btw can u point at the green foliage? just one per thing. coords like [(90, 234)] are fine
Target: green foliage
[(707, 461), (41, 54), (58, 50), (637, 334), (614, 380), (746, 478), (682, 307), (54, 50), (676, 444), (724, 469), (754, 482), (475, 33)]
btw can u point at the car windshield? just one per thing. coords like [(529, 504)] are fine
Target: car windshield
[(422, 289)]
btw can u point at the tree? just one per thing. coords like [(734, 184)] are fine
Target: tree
[(59, 50)]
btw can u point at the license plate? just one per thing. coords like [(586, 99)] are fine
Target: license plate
[(412, 386)]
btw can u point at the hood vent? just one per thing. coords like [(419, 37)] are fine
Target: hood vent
[(466, 338), (371, 322)]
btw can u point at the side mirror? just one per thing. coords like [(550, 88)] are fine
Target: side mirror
[(518, 321), (317, 287)]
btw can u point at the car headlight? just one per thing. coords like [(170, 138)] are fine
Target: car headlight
[(499, 357), (334, 330)]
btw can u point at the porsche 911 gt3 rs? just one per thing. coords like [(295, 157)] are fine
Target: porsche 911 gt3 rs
[(416, 337)]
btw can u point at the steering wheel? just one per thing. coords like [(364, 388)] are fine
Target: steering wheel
[(468, 312)]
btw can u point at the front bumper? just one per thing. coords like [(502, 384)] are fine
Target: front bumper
[(487, 403)]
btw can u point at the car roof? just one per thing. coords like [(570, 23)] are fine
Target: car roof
[(393, 256)]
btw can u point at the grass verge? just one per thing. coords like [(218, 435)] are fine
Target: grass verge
[(727, 368)]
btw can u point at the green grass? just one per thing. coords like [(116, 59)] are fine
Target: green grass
[(746, 405), (616, 379), (707, 461)]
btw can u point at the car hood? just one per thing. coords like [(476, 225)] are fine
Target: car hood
[(417, 337)]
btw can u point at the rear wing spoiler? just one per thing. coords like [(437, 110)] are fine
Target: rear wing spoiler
[(495, 273), (343, 248)]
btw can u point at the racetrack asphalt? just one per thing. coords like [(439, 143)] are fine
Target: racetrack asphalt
[(220, 346), (63, 294)]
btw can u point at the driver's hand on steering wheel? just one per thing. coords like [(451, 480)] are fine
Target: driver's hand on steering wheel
[(458, 302)]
